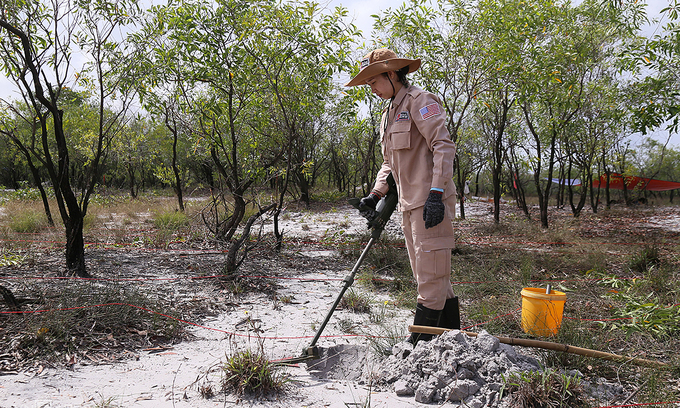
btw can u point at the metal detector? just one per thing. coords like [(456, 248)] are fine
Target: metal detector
[(376, 222)]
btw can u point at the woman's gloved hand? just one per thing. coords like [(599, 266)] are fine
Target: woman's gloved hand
[(367, 205), (433, 213)]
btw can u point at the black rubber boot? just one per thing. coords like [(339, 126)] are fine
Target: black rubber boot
[(424, 317), (451, 314)]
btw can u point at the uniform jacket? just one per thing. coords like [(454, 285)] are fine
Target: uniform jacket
[(416, 148)]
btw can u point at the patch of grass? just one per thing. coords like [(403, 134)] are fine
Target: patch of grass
[(356, 302), (384, 336), (493, 278), (171, 220), (492, 313), (386, 267), (251, 373), (105, 402), (347, 326), (328, 196), (543, 389), (389, 257), (168, 224), (647, 258), (405, 293), (572, 333), (28, 220), (84, 315), (286, 299)]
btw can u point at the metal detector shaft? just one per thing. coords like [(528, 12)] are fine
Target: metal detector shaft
[(378, 220), (349, 280)]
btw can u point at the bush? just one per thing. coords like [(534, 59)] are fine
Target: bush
[(250, 373), (543, 389), (28, 221)]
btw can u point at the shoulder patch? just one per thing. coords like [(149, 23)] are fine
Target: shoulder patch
[(402, 116), (430, 111)]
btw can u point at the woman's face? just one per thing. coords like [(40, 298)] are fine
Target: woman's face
[(381, 86)]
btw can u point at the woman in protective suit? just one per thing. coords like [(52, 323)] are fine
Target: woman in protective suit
[(419, 152)]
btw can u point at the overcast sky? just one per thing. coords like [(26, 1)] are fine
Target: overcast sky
[(361, 10)]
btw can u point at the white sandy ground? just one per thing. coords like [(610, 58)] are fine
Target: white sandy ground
[(173, 377)]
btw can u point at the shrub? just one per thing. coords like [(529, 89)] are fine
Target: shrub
[(28, 221), (543, 389), (251, 373)]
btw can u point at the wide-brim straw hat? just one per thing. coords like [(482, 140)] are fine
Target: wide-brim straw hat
[(379, 61)]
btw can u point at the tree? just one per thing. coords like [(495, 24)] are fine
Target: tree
[(655, 64), (249, 79), (560, 70), (20, 128), (38, 40), (136, 153)]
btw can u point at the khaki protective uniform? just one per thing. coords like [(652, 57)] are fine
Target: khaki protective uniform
[(417, 149)]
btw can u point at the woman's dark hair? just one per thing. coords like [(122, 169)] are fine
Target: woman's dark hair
[(401, 76)]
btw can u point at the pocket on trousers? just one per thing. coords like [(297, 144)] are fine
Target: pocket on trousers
[(435, 244)]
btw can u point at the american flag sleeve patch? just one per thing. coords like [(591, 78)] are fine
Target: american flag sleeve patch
[(430, 110)]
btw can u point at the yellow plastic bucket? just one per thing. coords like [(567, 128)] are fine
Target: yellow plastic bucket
[(542, 312)]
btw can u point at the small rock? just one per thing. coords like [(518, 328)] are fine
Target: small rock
[(509, 351), (474, 403), (487, 343), (461, 389), (402, 350), (403, 389), (427, 390)]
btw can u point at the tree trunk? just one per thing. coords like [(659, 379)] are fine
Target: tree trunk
[(43, 194), (282, 194), (75, 247), (131, 182), (461, 190), (303, 184), (175, 171), (233, 261)]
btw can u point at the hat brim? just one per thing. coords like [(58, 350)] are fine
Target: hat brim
[(380, 67)]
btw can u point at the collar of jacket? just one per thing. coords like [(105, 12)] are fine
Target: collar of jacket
[(400, 95)]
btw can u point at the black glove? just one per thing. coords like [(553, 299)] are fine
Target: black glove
[(433, 213), (367, 206)]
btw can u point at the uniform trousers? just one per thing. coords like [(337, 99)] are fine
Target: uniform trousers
[(429, 251)]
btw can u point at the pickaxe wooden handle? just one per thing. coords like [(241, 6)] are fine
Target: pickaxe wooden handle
[(551, 346)]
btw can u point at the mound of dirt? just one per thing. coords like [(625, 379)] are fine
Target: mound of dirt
[(454, 367)]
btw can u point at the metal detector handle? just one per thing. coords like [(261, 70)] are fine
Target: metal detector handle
[(386, 206), (384, 209)]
